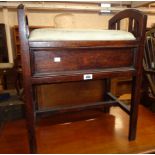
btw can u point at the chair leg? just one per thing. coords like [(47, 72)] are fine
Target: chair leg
[(136, 83), (107, 85)]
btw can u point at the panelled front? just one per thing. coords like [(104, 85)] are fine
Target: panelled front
[(58, 60)]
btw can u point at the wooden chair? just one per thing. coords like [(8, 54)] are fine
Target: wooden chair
[(83, 60), (148, 97)]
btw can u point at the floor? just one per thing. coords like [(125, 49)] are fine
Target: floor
[(82, 132)]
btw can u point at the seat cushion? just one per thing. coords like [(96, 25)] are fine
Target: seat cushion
[(51, 34)]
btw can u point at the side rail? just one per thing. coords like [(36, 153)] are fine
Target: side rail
[(137, 22), (22, 21), (26, 71)]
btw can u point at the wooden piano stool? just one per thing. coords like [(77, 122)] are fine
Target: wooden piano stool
[(62, 61)]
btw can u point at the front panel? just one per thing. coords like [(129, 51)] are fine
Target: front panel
[(59, 60)]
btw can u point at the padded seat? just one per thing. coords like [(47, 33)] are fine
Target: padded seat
[(50, 34)]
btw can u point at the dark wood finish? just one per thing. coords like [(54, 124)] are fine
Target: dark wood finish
[(73, 60), (121, 86), (77, 107), (124, 84), (138, 29), (135, 22), (17, 60), (78, 76), (3, 45), (120, 103), (148, 93), (50, 95), (17, 39), (65, 94), (30, 109), (85, 44), (9, 74), (38, 69)]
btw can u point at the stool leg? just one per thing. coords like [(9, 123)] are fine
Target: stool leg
[(136, 83), (31, 136), (30, 118), (107, 85)]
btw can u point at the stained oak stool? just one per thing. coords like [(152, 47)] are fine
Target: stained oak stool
[(61, 56)]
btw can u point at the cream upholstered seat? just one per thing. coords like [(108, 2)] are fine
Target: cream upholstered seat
[(51, 34)]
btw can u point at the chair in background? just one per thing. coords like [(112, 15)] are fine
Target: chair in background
[(148, 94)]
